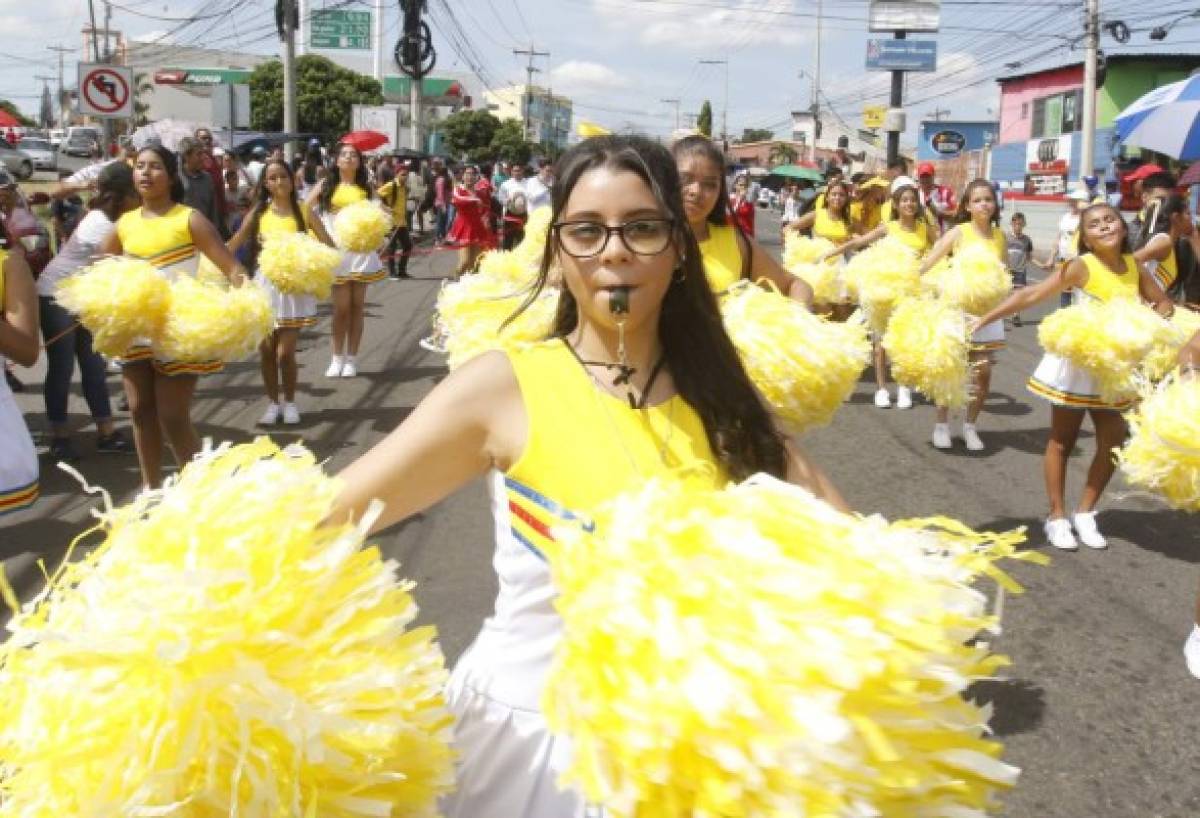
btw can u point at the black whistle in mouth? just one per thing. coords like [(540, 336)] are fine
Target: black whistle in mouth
[(618, 301)]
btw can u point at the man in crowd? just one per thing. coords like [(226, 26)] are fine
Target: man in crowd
[(938, 199), (514, 199), (199, 193), (254, 168), (210, 166), (537, 189)]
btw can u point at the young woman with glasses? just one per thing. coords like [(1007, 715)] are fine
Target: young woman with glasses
[(623, 390)]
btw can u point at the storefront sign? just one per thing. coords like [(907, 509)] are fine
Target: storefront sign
[(947, 143), (1047, 165), (901, 55)]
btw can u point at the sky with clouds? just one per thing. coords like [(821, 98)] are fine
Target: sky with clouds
[(620, 59)]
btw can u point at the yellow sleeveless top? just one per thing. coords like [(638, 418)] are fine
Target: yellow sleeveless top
[(827, 227), (1167, 270), (585, 446), (165, 241), (345, 195), (272, 224), (918, 239), (967, 234), (1103, 284), (722, 257), (868, 218)]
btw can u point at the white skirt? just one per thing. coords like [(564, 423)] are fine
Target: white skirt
[(290, 311), (1065, 384), (18, 459), (988, 337), (362, 267)]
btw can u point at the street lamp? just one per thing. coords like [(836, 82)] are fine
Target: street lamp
[(725, 103)]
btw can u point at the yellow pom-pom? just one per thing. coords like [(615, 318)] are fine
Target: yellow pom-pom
[(753, 652), (926, 341), (471, 316), (533, 243), (1162, 358), (974, 280), (299, 264), (361, 227), (223, 652), (205, 322), (118, 300), (1109, 340), (507, 266), (800, 255), (209, 273), (804, 366), (1163, 450), (880, 277)]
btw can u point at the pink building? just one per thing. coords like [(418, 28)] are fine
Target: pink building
[(1018, 95)]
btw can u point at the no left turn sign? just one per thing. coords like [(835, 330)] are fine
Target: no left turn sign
[(105, 90)]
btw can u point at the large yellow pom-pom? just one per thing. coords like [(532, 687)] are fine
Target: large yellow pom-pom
[(1109, 340), (224, 652), (299, 264), (752, 652), (206, 322), (118, 300), (880, 277), (926, 341), (533, 244), (1162, 358), (974, 280), (471, 316), (1163, 450), (361, 227), (800, 255), (507, 266), (804, 366)]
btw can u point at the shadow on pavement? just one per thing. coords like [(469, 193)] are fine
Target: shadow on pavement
[(1018, 705), (1160, 530)]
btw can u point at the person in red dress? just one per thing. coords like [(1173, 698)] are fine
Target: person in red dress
[(741, 209), (472, 211)]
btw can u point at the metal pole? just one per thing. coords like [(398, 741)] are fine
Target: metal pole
[(816, 78), (415, 113), (725, 110), (290, 124), (377, 40), (302, 41), (529, 69), (1091, 33), (896, 101)]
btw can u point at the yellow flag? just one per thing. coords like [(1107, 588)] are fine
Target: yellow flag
[(589, 129)]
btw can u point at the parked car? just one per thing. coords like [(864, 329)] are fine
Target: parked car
[(40, 151), (57, 135), (80, 145), (17, 163)]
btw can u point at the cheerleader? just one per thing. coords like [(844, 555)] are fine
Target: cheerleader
[(729, 255), (1103, 270), (345, 187), (1168, 222), (622, 392), (472, 211), (830, 220), (977, 222), (18, 343), (907, 224), (277, 210)]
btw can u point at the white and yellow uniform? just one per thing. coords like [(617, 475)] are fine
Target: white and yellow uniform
[(989, 337), (18, 458), (365, 268), (291, 311)]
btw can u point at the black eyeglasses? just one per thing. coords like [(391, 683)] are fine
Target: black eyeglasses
[(642, 237)]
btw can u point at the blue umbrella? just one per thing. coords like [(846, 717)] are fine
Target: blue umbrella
[(1166, 120)]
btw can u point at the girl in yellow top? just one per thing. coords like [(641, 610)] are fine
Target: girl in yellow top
[(18, 343), (565, 425), (1104, 269), (978, 222), (1171, 222), (394, 194), (168, 235), (277, 210), (908, 226), (729, 255), (347, 186)]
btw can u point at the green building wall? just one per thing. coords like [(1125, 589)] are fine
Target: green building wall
[(1124, 82)]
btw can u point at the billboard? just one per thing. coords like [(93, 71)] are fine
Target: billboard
[(903, 15), (1047, 165), (948, 139), (901, 55)]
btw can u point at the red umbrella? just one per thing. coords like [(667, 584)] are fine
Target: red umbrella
[(1142, 172), (7, 120), (364, 140)]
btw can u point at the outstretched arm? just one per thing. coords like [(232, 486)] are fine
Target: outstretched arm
[(763, 265), (857, 242), (208, 241), (940, 248), (1070, 275)]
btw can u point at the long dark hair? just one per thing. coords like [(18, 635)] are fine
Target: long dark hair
[(262, 201), (964, 204), (703, 362), (900, 191), (113, 188), (702, 146), (1161, 211), (335, 177), (171, 165), (1081, 246)]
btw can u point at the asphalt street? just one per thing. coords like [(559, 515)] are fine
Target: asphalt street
[(1097, 708)]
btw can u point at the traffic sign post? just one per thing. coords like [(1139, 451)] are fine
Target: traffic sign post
[(105, 91)]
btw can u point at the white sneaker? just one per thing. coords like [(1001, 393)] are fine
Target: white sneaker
[(974, 444), (1058, 534), (432, 344), (903, 398), (271, 416), (1191, 651), (1085, 526), (291, 415), (349, 367), (335, 367), (882, 399), (941, 436)]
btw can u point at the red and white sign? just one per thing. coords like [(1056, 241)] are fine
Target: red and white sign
[(1051, 154), (105, 90)]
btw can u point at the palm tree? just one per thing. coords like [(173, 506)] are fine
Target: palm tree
[(782, 154)]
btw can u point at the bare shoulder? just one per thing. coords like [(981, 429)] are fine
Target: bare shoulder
[(484, 395)]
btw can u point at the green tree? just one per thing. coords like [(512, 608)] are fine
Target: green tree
[(325, 93), (704, 120), (782, 154), (509, 144), (756, 135), (470, 133), (8, 107), (141, 106)]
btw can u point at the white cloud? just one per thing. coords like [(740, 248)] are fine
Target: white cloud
[(742, 23), (580, 77), (159, 36)]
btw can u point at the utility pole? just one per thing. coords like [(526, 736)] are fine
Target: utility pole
[(377, 41), (95, 42), (676, 103), (530, 52), (45, 80), (816, 79), (62, 91), (290, 124), (415, 56), (725, 103), (302, 39), (895, 102), (1091, 35), (938, 114)]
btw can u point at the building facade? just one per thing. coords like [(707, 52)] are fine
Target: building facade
[(547, 115), (1038, 146)]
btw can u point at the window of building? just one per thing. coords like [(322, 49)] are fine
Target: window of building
[(1038, 127), (1024, 110), (1056, 114)]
